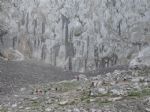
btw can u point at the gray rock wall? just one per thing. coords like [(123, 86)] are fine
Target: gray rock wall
[(77, 35)]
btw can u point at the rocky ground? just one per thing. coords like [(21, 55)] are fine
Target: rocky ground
[(14, 75), (119, 91)]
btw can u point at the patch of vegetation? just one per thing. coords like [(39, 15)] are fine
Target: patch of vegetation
[(85, 96), (35, 103), (136, 93), (3, 110), (146, 92), (72, 103), (104, 102), (103, 95), (66, 86)]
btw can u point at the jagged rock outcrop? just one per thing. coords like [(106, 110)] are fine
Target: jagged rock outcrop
[(142, 59), (77, 35)]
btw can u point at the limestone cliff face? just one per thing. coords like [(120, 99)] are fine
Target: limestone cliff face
[(77, 35)]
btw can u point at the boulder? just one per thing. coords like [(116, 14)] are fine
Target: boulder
[(11, 54), (102, 91), (117, 91), (142, 60)]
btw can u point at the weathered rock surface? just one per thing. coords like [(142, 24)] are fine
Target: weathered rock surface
[(77, 35)]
